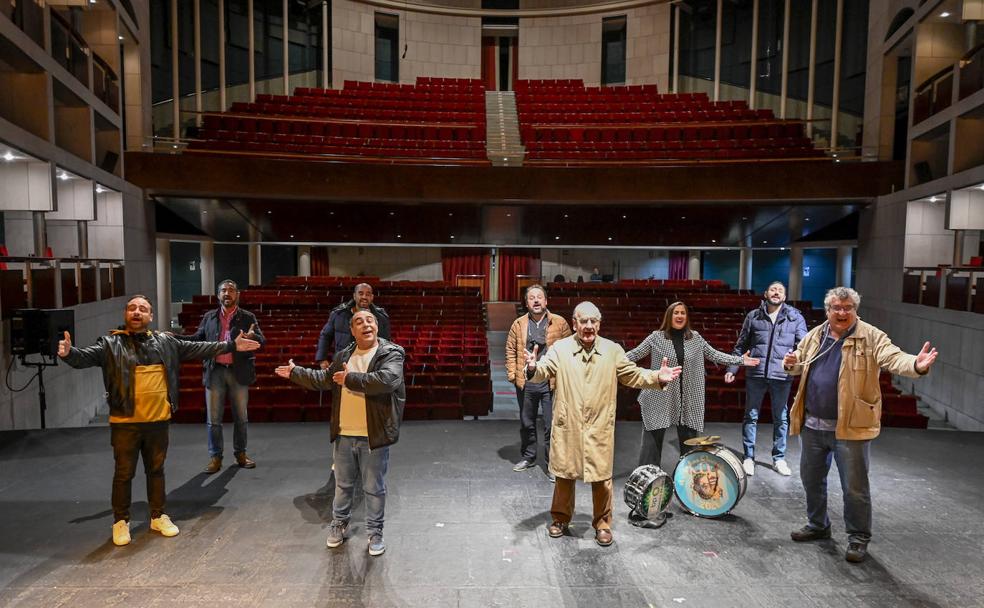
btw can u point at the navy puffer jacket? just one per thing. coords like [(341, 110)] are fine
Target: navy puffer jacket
[(769, 343)]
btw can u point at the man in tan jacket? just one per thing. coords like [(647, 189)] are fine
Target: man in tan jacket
[(540, 328), (587, 369), (837, 411)]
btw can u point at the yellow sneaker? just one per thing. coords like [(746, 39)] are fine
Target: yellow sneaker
[(164, 525), (121, 533)]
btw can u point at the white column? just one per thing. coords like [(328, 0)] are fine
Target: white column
[(286, 53), (304, 261), (175, 81), (753, 77), (325, 68), (845, 253), (255, 274), (785, 61), (693, 270), (207, 261), (251, 44), (198, 62), (717, 51), (163, 305), (745, 268), (835, 101), (812, 70), (795, 273), (676, 48), (82, 234), (40, 233), (222, 57)]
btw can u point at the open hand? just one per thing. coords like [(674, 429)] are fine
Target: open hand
[(531, 357), (749, 361), (339, 376), (64, 346), (924, 360), (668, 374), (284, 370), (244, 344)]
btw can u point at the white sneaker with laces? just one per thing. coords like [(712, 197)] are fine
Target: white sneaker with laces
[(121, 533), (782, 468), (164, 525), (749, 466)]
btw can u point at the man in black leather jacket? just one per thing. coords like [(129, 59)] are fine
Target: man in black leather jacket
[(368, 396), (228, 374), (140, 373)]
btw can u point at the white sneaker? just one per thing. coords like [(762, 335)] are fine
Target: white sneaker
[(164, 525), (782, 468), (121, 533), (749, 466)]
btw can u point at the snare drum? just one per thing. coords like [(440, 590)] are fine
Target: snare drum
[(709, 481), (648, 491)]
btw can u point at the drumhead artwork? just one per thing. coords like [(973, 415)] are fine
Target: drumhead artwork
[(648, 491), (709, 481)]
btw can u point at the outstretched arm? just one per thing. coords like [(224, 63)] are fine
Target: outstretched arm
[(386, 379), (311, 379), (79, 358), (642, 351)]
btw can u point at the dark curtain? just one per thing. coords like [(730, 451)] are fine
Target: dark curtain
[(456, 262), (488, 63), (319, 262), (514, 60), (514, 262), (679, 265)]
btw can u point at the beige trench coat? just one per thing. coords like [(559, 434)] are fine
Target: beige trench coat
[(582, 437)]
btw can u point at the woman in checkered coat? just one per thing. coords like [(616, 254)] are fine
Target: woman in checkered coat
[(683, 404)]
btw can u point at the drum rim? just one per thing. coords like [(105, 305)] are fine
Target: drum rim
[(657, 472)]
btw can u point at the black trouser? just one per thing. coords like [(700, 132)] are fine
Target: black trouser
[(531, 399), (651, 451), (130, 440)]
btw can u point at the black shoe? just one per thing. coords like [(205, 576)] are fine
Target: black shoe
[(856, 552), (524, 464), (551, 477), (808, 533)]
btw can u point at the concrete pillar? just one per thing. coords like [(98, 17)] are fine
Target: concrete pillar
[(207, 261), (745, 268), (693, 270), (304, 261), (82, 228), (795, 274), (845, 253), (162, 308), (40, 233)]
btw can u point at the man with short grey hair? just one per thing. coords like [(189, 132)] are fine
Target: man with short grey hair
[(837, 411)]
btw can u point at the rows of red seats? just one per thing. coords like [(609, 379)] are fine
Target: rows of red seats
[(631, 310), (442, 329)]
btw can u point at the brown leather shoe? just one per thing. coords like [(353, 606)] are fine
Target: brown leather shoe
[(243, 461), (557, 529), (603, 537), (214, 464)]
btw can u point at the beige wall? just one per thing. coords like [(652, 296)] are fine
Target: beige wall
[(387, 263)]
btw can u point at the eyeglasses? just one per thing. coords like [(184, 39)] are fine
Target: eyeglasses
[(842, 308)]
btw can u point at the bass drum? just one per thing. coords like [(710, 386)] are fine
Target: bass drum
[(709, 481), (648, 491)]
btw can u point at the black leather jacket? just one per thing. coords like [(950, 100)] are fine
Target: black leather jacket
[(383, 385), (119, 353), (243, 363)]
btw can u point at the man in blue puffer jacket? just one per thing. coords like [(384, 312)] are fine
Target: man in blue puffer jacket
[(769, 332)]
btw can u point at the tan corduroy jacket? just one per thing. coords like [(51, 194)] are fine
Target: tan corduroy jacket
[(557, 328), (859, 402)]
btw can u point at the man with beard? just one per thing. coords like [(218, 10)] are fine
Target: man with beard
[(587, 369), (140, 372), (228, 374), (336, 333), (768, 333)]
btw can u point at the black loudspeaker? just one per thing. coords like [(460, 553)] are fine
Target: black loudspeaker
[(109, 160), (37, 331), (924, 173)]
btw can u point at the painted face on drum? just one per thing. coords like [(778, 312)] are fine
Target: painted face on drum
[(587, 329), (706, 485), (842, 315), (679, 319)]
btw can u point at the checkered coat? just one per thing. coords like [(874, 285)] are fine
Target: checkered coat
[(660, 409)]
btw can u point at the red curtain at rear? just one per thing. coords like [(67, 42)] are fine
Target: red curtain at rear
[(679, 265), (514, 262), (319, 262), (456, 262), (488, 63)]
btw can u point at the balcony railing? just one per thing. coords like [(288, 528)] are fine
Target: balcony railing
[(69, 48), (951, 287), (105, 83), (31, 282), (28, 15), (972, 71), (933, 95)]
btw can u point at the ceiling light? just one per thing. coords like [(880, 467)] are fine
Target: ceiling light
[(392, 213), (981, 187), (765, 242), (237, 236), (683, 217), (945, 14), (100, 189), (556, 238), (624, 217), (452, 236), (933, 199), (509, 215), (269, 212), (292, 236), (806, 219), (7, 156), (450, 214), (399, 236), (565, 215), (120, 37), (714, 240), (62, 175)]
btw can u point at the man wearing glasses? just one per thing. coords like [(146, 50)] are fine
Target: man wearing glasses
[(837, 411)]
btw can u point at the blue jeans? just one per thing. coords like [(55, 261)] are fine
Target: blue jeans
[(818, 447), (223, 382), (353, 458), (755, 389)]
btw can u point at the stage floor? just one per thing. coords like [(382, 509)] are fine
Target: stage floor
[(462, 529)]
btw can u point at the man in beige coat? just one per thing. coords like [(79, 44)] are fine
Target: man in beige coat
[(587, 369), (837, 411), (538, 328)]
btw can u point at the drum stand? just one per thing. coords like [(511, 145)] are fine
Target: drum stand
[(640, 521)]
